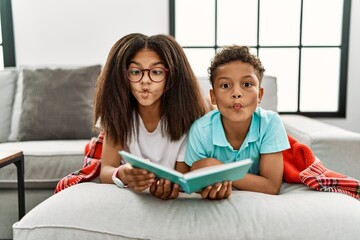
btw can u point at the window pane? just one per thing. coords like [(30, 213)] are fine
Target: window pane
[(0, 33), (195, 21), (199, 60), (252, 51), (320, 79), (279, 22), (283, 64), (324, 29), (237, 22)]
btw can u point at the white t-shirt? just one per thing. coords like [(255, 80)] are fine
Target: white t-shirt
[(157, 147)]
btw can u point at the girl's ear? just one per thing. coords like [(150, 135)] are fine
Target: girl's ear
[(261, 94), (212, 97)]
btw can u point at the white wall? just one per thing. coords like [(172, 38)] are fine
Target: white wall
[(83, 31)]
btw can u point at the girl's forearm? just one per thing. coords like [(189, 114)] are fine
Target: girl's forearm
[(106, 174)]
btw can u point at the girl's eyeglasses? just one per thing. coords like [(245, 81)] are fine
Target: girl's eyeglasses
[(156, 74)]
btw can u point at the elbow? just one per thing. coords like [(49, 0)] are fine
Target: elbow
[(274, 190), (105, 175), (101, 177)]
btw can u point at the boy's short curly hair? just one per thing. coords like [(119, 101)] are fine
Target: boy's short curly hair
[(232, 54)]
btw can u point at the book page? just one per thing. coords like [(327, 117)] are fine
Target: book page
[(157, 169), (217, 168)]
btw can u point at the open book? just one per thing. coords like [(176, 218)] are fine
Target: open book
[(194, 180)]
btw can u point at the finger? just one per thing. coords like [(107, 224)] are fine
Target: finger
[(138, 171), (131, 176), (166, 189), (205, 192), (149, 178), (228, 190), (152, 189), (213, 192), (127, 168), (222, 191), (175, 191), (159, 188), (130, 172), (140, 188), (134, 182)]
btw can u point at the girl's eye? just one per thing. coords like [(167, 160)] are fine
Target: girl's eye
[(225, 85), (157, 71), (134, 71)]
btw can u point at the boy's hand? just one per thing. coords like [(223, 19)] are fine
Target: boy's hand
[(164, 189), (136, 178), (217, 191)]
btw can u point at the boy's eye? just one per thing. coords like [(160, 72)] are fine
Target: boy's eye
[(248, 84), (225, 85)]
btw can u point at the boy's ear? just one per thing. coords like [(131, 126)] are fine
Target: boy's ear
[(261, 94), (212, 97)]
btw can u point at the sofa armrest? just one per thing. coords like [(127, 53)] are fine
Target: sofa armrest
[(338, 149)]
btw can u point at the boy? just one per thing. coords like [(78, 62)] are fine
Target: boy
[(238, 129)]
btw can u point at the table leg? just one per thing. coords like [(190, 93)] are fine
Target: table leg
[(21, 186)]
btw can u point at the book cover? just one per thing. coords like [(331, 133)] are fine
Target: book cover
[(195, 180)]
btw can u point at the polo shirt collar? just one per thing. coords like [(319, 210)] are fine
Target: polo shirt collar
[(218, 132)]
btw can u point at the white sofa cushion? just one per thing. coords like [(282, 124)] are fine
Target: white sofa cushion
[(46, 162), (103, 211), (8, 78)]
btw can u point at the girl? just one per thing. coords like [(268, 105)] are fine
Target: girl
[(146, 99)]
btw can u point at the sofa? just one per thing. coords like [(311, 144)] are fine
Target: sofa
[(93, 211), (46, 112)]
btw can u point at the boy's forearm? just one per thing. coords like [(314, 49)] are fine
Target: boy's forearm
[(257, 183)]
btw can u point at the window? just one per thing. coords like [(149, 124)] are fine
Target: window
[(7, 51), (304, 43)]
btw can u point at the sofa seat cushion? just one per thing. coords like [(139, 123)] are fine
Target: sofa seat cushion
[(337, 148), (46, 162), (103, 211)]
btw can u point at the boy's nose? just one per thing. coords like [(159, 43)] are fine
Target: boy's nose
[(236, 95)]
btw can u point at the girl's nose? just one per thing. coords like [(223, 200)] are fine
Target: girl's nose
[(145, 79)]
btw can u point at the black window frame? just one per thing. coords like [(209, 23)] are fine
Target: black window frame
[(344, 48), (7, 33)]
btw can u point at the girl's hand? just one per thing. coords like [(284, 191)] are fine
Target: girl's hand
[(136, 178), (217, 191), (164, 189)]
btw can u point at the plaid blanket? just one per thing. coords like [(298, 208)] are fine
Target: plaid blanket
[(300, 166), (91, 165)]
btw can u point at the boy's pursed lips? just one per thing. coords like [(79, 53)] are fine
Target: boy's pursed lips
[(237, 106)]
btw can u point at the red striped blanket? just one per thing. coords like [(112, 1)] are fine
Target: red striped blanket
[(91, 165), (300, 166)]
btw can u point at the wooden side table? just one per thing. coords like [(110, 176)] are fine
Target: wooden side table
[(17, 158)]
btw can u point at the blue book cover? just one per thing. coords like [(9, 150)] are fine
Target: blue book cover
[(195, 180)]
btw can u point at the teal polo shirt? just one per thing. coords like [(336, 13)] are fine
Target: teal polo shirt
[(207, 139)]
